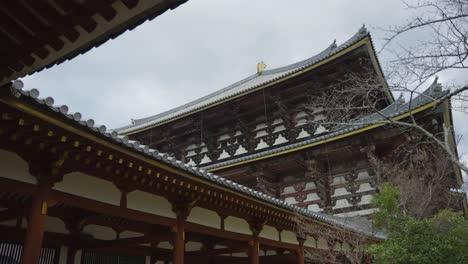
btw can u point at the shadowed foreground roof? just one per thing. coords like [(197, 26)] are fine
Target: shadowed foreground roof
[(39, 34), (47, 104)]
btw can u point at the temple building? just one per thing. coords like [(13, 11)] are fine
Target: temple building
[(258, 172), (279, 131)]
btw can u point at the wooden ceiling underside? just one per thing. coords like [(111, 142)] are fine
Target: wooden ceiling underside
[(37, 34)]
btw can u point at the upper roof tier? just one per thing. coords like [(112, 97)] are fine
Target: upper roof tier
[(39, 34), (256, 82)]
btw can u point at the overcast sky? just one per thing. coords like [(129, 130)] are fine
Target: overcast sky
[(203, 46)]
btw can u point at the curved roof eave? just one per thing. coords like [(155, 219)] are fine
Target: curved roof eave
[(257, 82), (88, 128)]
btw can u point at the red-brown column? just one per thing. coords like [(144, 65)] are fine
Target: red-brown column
[(254, 251), (179, 241), (256, 228), (300, 251), (35, 232), (182, 210)]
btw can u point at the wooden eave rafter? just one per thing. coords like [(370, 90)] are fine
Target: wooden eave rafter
[(39, 34)]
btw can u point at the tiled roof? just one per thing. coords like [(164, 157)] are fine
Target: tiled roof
[(397, 108), (65, 30), (245, 85), (123, 141)]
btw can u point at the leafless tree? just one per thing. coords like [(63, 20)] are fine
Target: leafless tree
[(417, 168), (336, 238), (441, 28)]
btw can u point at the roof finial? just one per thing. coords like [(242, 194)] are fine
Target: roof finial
[(260, 67), (436, 79), (401, 99), (363, 29)]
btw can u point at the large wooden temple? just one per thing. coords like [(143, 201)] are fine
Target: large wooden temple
[(249, 174), (279, 131)]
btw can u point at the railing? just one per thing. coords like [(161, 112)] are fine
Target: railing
[(10, 253), (96, 258)]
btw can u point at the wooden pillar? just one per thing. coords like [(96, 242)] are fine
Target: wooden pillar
[(35, 231), (256, 228), (254, 251), (182, 210), (179, 241), (300, 254)]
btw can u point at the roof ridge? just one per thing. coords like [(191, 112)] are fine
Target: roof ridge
[(264, 78)]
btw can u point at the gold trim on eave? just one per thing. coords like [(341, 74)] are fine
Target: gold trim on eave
[(358, 131), (365, 41)]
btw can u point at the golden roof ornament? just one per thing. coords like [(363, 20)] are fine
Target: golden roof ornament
[(261, 66)]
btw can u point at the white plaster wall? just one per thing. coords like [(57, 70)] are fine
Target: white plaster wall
[(269, 232), (310, 242), (240, 254), (165, 245), (224, 155), (312, 197), (303, 133), (205, 159), (100, 232), (280, 140), (337, 246), (237, 225), (314, 208), (342, 203), (240, 150), (365, 199), (340, 192), (288, 190), (365, 187), (217, 246), (261, 145), (322, 243), (83, 185), (129, 234), (310, 186), (345, 246), (193, 246), (363, 175), (150, 203), (204, 217), (289, 237), (290, 200), (279, 128), (54, 224), (338, 180), (15, 168), (270, 253)]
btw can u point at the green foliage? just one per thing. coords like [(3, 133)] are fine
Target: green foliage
[(442, 238)]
